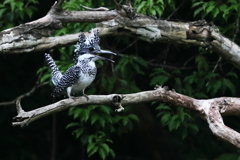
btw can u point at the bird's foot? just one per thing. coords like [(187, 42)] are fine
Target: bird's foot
[(86, 96), (72, 97), (120, 108)]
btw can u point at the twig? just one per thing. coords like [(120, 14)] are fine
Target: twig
[(95, 9), (129, 45), (175, 10)]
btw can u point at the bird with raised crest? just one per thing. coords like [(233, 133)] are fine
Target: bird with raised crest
[(82, 74)]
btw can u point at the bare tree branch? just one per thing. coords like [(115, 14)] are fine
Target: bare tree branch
[(37, 36), (211, 109)]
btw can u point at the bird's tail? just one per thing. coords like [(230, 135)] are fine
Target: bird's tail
[(56, 74)]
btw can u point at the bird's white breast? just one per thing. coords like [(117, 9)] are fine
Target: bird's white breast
[(85, 79)]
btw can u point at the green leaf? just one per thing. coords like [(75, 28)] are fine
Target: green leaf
[(77, 113), (108, 119), (232, 74), (42, 69), (137, 69), (184, 133), (90, 146), (197, 11), (73, 124), (125, 121), (105, 109), (214, 86), (201, 63), (150, 3), (189, 79), (142, 62), (102, 153), (78, 132), (193, 127), (229, 85), (163, 107), (91, 149), (105, 147), (201, 95), (152, 12), (29, 12), (212, 75), (85, 114), (101, 121), (111, 152), (159, 71), (45, 77), (223, 7), (161, 79), (109, 140), (232, 1), (205, 5), (159, 10), (227, 156), (19, 5), (141, 5), (133, 117), (173, 123), (215, 12), (210, 8), (160, 114), (93, 118), (197, 4), (165, 118)]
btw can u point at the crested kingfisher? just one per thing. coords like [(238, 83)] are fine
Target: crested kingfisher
[(79, 76)]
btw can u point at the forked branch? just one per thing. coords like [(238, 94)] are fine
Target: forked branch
[(211, 110)]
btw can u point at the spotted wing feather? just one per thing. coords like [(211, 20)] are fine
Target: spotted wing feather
[(69, 78)]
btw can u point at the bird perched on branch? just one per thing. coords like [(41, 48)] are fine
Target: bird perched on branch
[(82, 74)]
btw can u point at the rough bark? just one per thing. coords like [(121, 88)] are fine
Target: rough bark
[(211, 109), (36, 35)]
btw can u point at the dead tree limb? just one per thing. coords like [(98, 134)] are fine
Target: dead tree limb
[(211, 110), (36, 35)]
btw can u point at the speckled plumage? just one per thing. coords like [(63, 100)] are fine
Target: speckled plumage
[(78, 77), (82, 74), (56, 74)]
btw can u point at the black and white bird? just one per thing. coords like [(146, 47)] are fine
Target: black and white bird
[(82, 74)]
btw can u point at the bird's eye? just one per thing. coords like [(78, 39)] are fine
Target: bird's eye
[(91, 49)]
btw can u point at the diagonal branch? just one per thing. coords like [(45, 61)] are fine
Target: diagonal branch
[(36, 35), (219, 129), (211, 110)]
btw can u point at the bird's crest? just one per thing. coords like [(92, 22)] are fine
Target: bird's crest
[(85, 43)]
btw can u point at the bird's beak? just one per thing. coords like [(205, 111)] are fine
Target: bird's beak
[(105, 52), (103, 58)]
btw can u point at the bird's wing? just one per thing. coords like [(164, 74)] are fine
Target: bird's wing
[(70, 77)]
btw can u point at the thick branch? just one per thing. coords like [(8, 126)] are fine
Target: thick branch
[(160, 94), (219, 129), (211, 110), (35, 36)]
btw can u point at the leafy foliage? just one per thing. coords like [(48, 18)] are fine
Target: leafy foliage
[(95, 124), (176, 120), (14, 12), (216, 8), (153, 7)]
